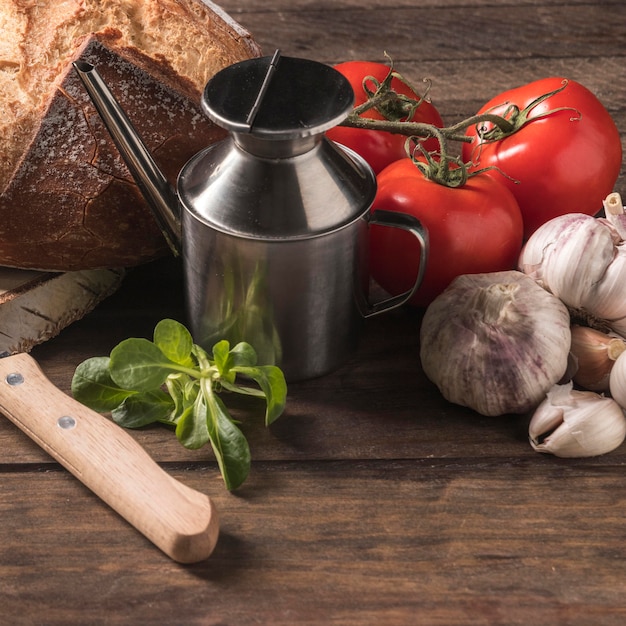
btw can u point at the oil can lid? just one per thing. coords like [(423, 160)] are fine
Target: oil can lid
[(278, 97)]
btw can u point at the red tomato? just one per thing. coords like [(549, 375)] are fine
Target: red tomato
[(474, 228), (567, 161), (379, 148)]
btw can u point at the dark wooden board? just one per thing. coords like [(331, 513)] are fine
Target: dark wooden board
[(459, 542)]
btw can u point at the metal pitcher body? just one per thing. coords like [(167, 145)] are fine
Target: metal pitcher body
[(294, 301), (293, 288)]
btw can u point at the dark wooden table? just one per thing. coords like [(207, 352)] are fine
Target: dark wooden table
[(372, 501)]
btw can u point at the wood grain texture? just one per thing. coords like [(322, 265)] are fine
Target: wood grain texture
[(349, 543), (372, 500), (496, 31)]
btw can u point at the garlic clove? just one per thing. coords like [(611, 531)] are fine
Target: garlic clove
[(595, 353), (618, 325), (571, 423), (569, 255), (582, 260), (617, 380), (545, 420), (605, 298)]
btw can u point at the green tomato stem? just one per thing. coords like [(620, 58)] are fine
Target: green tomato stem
[(426, 131)]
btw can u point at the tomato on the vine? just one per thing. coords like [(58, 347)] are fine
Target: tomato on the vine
[(565, 157), (380, 148), (473, 228)]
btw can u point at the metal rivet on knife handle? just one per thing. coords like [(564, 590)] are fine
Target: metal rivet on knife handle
[(14, 378), (66, 422)]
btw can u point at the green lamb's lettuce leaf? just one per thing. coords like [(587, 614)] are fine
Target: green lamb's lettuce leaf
[(142, 409), (139, 365), (192, 427), (173, 381), (228, 443), (243, 355), (93, 386), (273, 387), (175, 341)]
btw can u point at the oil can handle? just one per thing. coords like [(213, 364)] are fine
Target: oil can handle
[(381, 217)]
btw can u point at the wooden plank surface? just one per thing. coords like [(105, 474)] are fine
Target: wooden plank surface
[(363, 543), (372, 501), (491, 31)]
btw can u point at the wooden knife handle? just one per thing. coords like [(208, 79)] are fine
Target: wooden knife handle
[(179, 520)]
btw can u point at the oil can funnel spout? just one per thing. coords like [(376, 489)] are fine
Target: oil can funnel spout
[(158, 192)]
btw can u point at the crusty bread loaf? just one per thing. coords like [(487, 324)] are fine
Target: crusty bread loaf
[(67, 201)]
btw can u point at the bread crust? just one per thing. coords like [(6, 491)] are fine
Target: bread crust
[(69, 202)]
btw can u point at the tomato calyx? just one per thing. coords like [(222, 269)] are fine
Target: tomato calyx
[(439, 167), (448, 171), (391, 105), (395, 108), (442, 168), (518, 118)]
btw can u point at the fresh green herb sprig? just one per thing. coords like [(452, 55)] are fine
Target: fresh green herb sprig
[(173, 381)]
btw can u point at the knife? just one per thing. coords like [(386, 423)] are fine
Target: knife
[(182, 522)]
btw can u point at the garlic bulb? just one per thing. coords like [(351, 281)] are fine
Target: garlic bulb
[(570, 423), (495, 342), (595, 353), (581, 260)]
